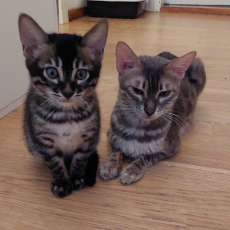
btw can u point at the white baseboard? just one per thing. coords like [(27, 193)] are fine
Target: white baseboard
[(154, 5), (12, 106)]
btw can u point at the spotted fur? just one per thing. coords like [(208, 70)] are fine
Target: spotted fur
[(62, 120), (156, 101)]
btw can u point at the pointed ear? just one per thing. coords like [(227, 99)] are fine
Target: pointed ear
[(126, 58), (32, 36), (95, 40), (179, 66)]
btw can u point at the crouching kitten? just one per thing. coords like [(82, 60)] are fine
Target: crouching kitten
[(156, 102), (61, 118)]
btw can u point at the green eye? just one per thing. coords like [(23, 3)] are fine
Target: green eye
[(138, 91), (81, 74), (164, 93), (51, 72)]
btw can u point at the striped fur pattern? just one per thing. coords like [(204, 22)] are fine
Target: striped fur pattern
[(62, 120), (156, 101)]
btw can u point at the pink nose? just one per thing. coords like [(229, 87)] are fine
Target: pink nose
[(149, 112)]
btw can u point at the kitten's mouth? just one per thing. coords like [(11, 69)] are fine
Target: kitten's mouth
[(66, 100), (148, 118)]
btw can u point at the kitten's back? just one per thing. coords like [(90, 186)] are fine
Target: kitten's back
[(195, 73)]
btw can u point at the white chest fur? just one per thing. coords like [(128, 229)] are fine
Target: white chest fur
[(68, 136)]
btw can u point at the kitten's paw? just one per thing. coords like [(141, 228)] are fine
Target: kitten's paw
[(78, 183), (130, 175), (109, 170), (62, 189)]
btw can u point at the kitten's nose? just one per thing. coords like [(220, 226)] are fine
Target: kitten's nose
[(67, 92), (149, 111)]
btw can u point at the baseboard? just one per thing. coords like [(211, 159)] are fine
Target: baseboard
[(197, 10), (76, 13), (12, 106)]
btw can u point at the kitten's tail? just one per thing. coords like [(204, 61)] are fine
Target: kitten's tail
[(91, 169), (196, 75)]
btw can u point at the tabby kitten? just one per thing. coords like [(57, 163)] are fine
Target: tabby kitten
[(62, 120), (156, 102)]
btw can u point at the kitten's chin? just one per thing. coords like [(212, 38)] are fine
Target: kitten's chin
[(149, 118), (65, 103), (146, 117)]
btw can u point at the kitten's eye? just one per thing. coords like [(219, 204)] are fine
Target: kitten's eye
[(81, 74), (51, 72), (138, 91), (164, 93)]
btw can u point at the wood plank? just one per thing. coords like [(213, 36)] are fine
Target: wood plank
[(197, 9)]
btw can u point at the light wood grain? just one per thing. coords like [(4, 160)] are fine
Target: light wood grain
[(215, 10), (188, 192)]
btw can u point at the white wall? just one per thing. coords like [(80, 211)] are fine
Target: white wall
[(14, 78), (154, 5), (76, 3)]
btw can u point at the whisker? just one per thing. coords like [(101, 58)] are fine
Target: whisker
[(77, 95), (177, 118), (44, 102), (178, 123), (167, 119), (55, 94)]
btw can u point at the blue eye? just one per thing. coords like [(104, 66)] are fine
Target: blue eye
[(51, 72), (81, 74)]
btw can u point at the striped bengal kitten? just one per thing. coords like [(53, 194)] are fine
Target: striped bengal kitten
[(156, 102), (62, 120)]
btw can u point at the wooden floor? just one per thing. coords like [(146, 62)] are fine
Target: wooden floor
[(190, 191)]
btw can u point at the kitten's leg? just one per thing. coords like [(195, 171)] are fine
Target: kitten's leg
[(78, 167), (136, 170), (61, 185), (112, 167)]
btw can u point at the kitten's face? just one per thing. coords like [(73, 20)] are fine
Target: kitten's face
[(63, 68), (149, 86), (63, 72), (150, 93)]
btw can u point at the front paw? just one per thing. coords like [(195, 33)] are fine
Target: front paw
[(131, 174), (109, 170), (78, 183), (62, 189)]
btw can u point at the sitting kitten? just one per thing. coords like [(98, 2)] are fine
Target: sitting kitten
[(157, 95), (62, 121)]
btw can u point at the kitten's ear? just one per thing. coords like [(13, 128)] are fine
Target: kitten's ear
[(95, 40), (179, 66), (126, 58), (32, 36)]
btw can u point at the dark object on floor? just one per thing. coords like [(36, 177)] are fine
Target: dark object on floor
[(108, 9), (91, 169)]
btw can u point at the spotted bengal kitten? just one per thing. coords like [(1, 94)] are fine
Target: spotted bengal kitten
[(156, 102), (62, 120)]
